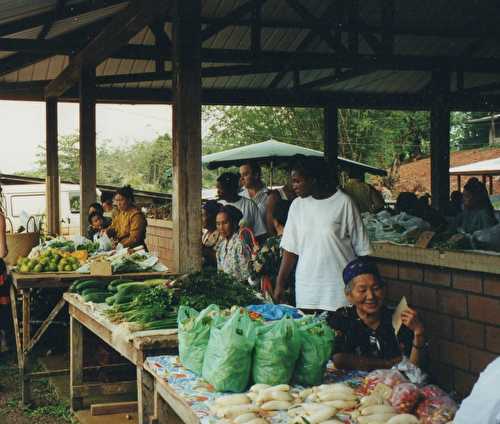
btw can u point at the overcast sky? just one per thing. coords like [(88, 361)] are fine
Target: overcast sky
[(22, 128)]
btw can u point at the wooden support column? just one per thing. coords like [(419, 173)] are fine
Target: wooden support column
[(459, 183), (440, 141), (491, 184), (331, 139), (52, 159), (87, 144), (187, 136)]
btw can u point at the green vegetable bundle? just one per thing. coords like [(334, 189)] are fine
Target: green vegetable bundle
[(201, 289), (316, 350), (147, 305)]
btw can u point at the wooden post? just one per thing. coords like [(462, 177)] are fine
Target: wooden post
[(187, 136), (52, 159), (491, 184), (331, 139), (25, 379), (75, 362), (459, 182), (440, 141), (87, 144)]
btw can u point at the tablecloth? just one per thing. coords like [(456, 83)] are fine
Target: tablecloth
[(200, 395)]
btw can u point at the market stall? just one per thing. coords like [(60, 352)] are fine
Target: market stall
[(57, 264), (22, 284), (134, 346)]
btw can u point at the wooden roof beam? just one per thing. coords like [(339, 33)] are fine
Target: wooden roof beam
[(237, 13), (42, 18), (304, 45), (48, 25), (304, 13), (18, 61), (122, 27)]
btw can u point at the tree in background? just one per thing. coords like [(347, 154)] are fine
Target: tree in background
[(144, 165)]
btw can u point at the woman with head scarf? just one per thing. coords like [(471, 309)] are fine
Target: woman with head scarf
[(365, 338), (324, 232), (233, 254)]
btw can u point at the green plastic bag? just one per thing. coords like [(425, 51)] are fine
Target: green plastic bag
[(276, 351), (228, 358), (193, 333), (316, 351)]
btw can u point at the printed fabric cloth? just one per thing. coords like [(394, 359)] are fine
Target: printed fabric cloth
[(200, 395)]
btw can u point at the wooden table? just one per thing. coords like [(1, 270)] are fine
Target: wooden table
[(133, 346), (22, 284), (161, 403)]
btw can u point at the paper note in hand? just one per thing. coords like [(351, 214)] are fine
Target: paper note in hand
[(396, 316)]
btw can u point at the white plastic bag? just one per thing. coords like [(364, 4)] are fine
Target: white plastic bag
[(105, 243), (487, 239)]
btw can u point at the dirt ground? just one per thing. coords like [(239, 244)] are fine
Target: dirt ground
[(47, 408), (415, 176)]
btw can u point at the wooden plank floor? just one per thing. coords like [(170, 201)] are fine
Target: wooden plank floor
[(84, 417)]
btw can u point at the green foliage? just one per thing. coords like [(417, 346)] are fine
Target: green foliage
[(145, 165), (372, 136), (469, 136)]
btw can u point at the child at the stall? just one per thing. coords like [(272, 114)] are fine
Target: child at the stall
[(365, 337)]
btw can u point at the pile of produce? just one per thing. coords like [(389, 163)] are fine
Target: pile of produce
[(201, 289), (335, 403), (51, 260), (150, 309)]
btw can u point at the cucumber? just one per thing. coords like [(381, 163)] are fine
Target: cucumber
[(113, 285), (110, 300), (72, 288), (122, 297), (138, 287), (92, 290), (96, 297), (91, 284)]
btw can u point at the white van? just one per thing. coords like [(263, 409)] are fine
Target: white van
[(25, 200)]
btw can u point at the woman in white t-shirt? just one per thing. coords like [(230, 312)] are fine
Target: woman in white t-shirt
[(324, 232)]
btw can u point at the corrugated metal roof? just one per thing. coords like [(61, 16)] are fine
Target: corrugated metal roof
[(425, 15)]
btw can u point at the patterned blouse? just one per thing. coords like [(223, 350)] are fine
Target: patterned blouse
[(267, 262), (233, 257)]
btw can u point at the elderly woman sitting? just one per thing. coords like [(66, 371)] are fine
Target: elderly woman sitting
[(365, 337)]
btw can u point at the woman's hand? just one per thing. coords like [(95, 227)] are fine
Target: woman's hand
[(410, 319)]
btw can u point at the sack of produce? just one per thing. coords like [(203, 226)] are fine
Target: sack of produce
[(404, 397), (389, 378), (276, 352), (316, 350), (439, 410), (228, 358), (193, 332), (431, 391)]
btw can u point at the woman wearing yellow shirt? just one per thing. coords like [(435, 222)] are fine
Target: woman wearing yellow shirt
[(129, 224)]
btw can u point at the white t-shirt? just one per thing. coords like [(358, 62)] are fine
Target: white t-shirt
[(251, 214), (483, 404), (326, 235), (260, 199)]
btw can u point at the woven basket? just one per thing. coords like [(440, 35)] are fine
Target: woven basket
[(20, 244)]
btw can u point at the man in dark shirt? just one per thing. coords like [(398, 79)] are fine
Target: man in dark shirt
[(365, 338)]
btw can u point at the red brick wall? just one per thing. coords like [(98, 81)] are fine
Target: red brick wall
[(461, 312), (159, 241)]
